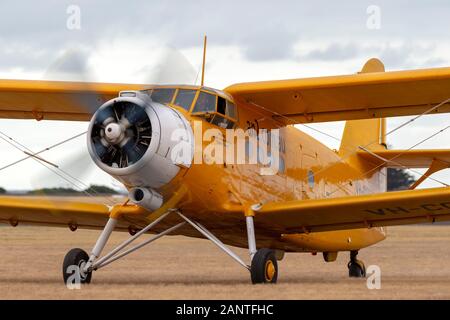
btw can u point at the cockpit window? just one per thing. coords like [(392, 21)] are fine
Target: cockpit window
[(205, 103), (226, 107), (162, 95), (230, 111), (184, 98), (221, 105)]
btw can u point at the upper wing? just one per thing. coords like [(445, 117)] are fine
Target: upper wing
[(59, 211), (358, 96), (407, 158), (56, 100), (390, 208)]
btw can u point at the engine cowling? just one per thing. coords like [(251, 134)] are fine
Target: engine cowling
[(131, 138)]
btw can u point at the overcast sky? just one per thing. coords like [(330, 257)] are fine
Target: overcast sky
[(247, 41)]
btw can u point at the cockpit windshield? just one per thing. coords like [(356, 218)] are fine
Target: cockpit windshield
[(162, 95), (185, 98), (206, 102), (215, 107)]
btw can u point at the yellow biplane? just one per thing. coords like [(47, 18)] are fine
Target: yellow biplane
[(316, 199)]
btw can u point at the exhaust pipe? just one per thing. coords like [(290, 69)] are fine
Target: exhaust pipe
[(146, 198)]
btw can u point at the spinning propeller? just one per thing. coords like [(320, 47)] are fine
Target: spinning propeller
[(121, 131)]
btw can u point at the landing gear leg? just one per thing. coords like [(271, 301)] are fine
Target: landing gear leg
[(264, 268), (356, 268), (81, 261)]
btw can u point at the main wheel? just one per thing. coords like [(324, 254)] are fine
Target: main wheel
[(356, 269), (73, 265), (264, 267)]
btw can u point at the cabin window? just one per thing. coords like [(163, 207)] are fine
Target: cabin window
[(163, 95), (230, 110), (184, 98), (221, 105), (311, 179), (215, 110), (205, 103), (282, 165), (226, 107)]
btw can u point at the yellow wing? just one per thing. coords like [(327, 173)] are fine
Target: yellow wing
[(407, 158), (348, 97), (64, 212), (56, 100), (354, 212)]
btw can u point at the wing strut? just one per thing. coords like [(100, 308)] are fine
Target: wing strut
[(435, 166)]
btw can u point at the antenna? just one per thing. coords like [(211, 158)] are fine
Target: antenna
[(204, 61)]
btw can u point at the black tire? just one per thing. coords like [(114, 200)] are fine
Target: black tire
[(264, 267), (356, 269), (75, 257)]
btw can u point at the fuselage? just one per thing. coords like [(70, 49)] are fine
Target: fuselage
[(221, 188), (219, 192)]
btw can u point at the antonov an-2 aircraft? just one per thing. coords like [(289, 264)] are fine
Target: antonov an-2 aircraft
[(315, 200)]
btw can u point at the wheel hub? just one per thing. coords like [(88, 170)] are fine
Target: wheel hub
[(270, 270), (81, 267)]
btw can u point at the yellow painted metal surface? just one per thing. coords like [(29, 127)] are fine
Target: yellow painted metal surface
[(414, 158), (55, 100), (221, 195), (52, 211), (383, 209), (347, 97)]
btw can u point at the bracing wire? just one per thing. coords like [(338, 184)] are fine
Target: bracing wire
[(357, 148), (58, 171)]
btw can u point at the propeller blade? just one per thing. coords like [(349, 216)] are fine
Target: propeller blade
[(73, 65), (133, 150), (173, 68), (134, 114), (100, 149), (76, 168)]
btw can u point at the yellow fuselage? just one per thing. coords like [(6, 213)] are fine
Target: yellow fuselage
[(219, 193)]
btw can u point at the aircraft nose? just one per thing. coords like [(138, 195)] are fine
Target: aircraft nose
[(140, 142)]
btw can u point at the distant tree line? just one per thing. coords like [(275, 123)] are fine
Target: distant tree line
[(93, 189)]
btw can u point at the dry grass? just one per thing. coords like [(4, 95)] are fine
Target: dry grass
[(414, 263)]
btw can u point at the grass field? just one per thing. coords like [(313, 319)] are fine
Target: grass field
[(414, 262)]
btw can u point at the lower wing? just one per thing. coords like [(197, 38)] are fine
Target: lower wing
[(73, 212), (354, 212)]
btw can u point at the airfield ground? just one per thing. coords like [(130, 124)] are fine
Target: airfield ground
[(414, 262)]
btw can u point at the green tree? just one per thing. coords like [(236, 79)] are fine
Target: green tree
[(97, 189), (53, 191), (398, 179), (93, 190), (2, 190)]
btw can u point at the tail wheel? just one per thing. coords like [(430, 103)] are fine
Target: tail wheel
[(73, 266), (264, 267), (356, 269)]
